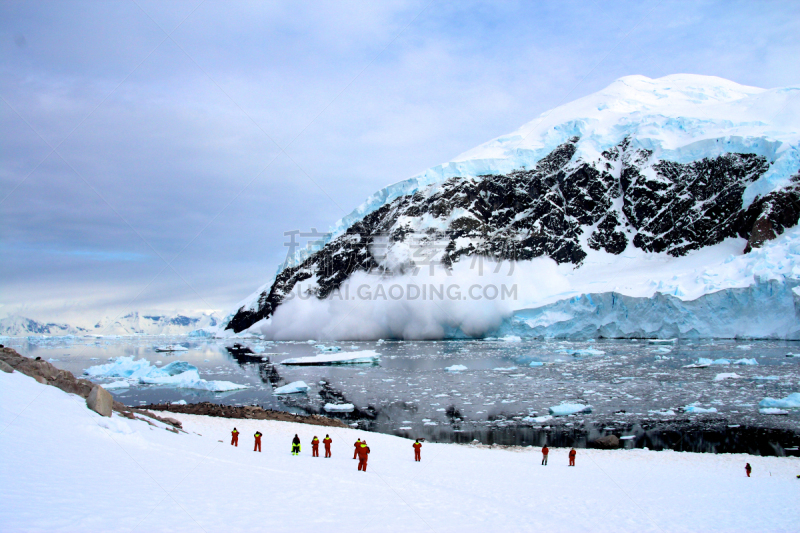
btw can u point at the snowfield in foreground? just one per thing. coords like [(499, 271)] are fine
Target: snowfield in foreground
[(66, 468)]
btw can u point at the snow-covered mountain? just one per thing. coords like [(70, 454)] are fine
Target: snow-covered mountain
[(648, 186), (133, 323)]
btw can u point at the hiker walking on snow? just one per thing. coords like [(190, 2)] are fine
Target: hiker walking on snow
[(363, 452), (357, 444), (748, 469), (327, 442), (296, 445), (545, 451), (257, 447), (417, 447), (572, 454), (235, 437), (315, 447)]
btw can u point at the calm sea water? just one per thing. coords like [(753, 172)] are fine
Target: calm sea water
[(630, 384)]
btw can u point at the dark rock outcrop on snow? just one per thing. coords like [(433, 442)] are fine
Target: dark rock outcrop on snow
[(554, 210), (249, 412)]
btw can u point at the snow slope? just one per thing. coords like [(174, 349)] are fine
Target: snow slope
[(68, 469)]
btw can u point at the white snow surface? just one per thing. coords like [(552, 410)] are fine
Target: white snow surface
[(73, 470)]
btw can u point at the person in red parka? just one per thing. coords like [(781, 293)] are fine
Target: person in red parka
[(417, 447), (748, 469), (363, 453), (315, 447), (235, 437), (357, 444), (572, 457), (257, 447), (327, 442), (545, 451)]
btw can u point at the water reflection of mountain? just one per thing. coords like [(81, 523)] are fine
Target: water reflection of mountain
[(244, 356)]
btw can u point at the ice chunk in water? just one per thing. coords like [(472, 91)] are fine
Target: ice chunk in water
[(292, 388), (566, 409), (790, 402)]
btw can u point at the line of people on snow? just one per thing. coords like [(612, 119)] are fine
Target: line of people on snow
[(361, 451)]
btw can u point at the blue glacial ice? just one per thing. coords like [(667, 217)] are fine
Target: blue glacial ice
[(179, 374), (790, 402)]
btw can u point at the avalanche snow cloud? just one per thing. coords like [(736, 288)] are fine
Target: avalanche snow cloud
[(682, 192)]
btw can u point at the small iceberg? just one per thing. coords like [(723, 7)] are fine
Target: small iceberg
[(343, 358), (566, 409), (455, 368), (727, 375), (790, 402), (578, 353), (172, 348), (339, 408), (292, 388), (537, 419), (116, 385), (536, 363), (179, 374), (323, 348), (695, 410), (773, 411), (750, 362)]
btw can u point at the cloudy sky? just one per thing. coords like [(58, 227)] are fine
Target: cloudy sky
[(152, 154)]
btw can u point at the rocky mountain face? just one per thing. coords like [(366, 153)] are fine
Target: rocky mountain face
[(562, 207)]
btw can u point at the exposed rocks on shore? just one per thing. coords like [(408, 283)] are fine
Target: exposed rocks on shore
[(248, 411)]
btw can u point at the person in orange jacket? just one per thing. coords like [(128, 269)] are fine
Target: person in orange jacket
[(417, 447), (357, 444), (572, 454), (748, 469), (363, 453), (235, 437), (257, 447), (315, 447), (327, 442), (545, 451)]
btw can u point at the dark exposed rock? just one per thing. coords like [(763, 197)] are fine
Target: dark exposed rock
[(5, 367), (607, 443), (624, 197)]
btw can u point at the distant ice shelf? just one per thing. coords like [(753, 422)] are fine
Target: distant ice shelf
[(340, 358)]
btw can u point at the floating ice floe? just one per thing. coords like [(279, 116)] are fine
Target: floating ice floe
[(577, 353), (343, 358), (566, 409), (172, 348), (750, 362), (790, 354), (455, 368), (537, 419), (727, 375), (661, 341), (536, 363), (507, 369), (178, 374), (292, 388), (695, 410), (339, 408), (511, 338), (323, 348), (790, 402), (773, 411)]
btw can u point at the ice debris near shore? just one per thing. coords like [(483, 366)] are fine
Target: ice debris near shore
[(172, 348), (790, 402), (179, 374), (455, 368), (339, 408), (292, 388), (704, 362), (566, 409), (342, 358), (578, 353)]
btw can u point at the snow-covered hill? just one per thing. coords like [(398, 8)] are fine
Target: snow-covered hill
[(69, 469), (133, 323), (645, 172)]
